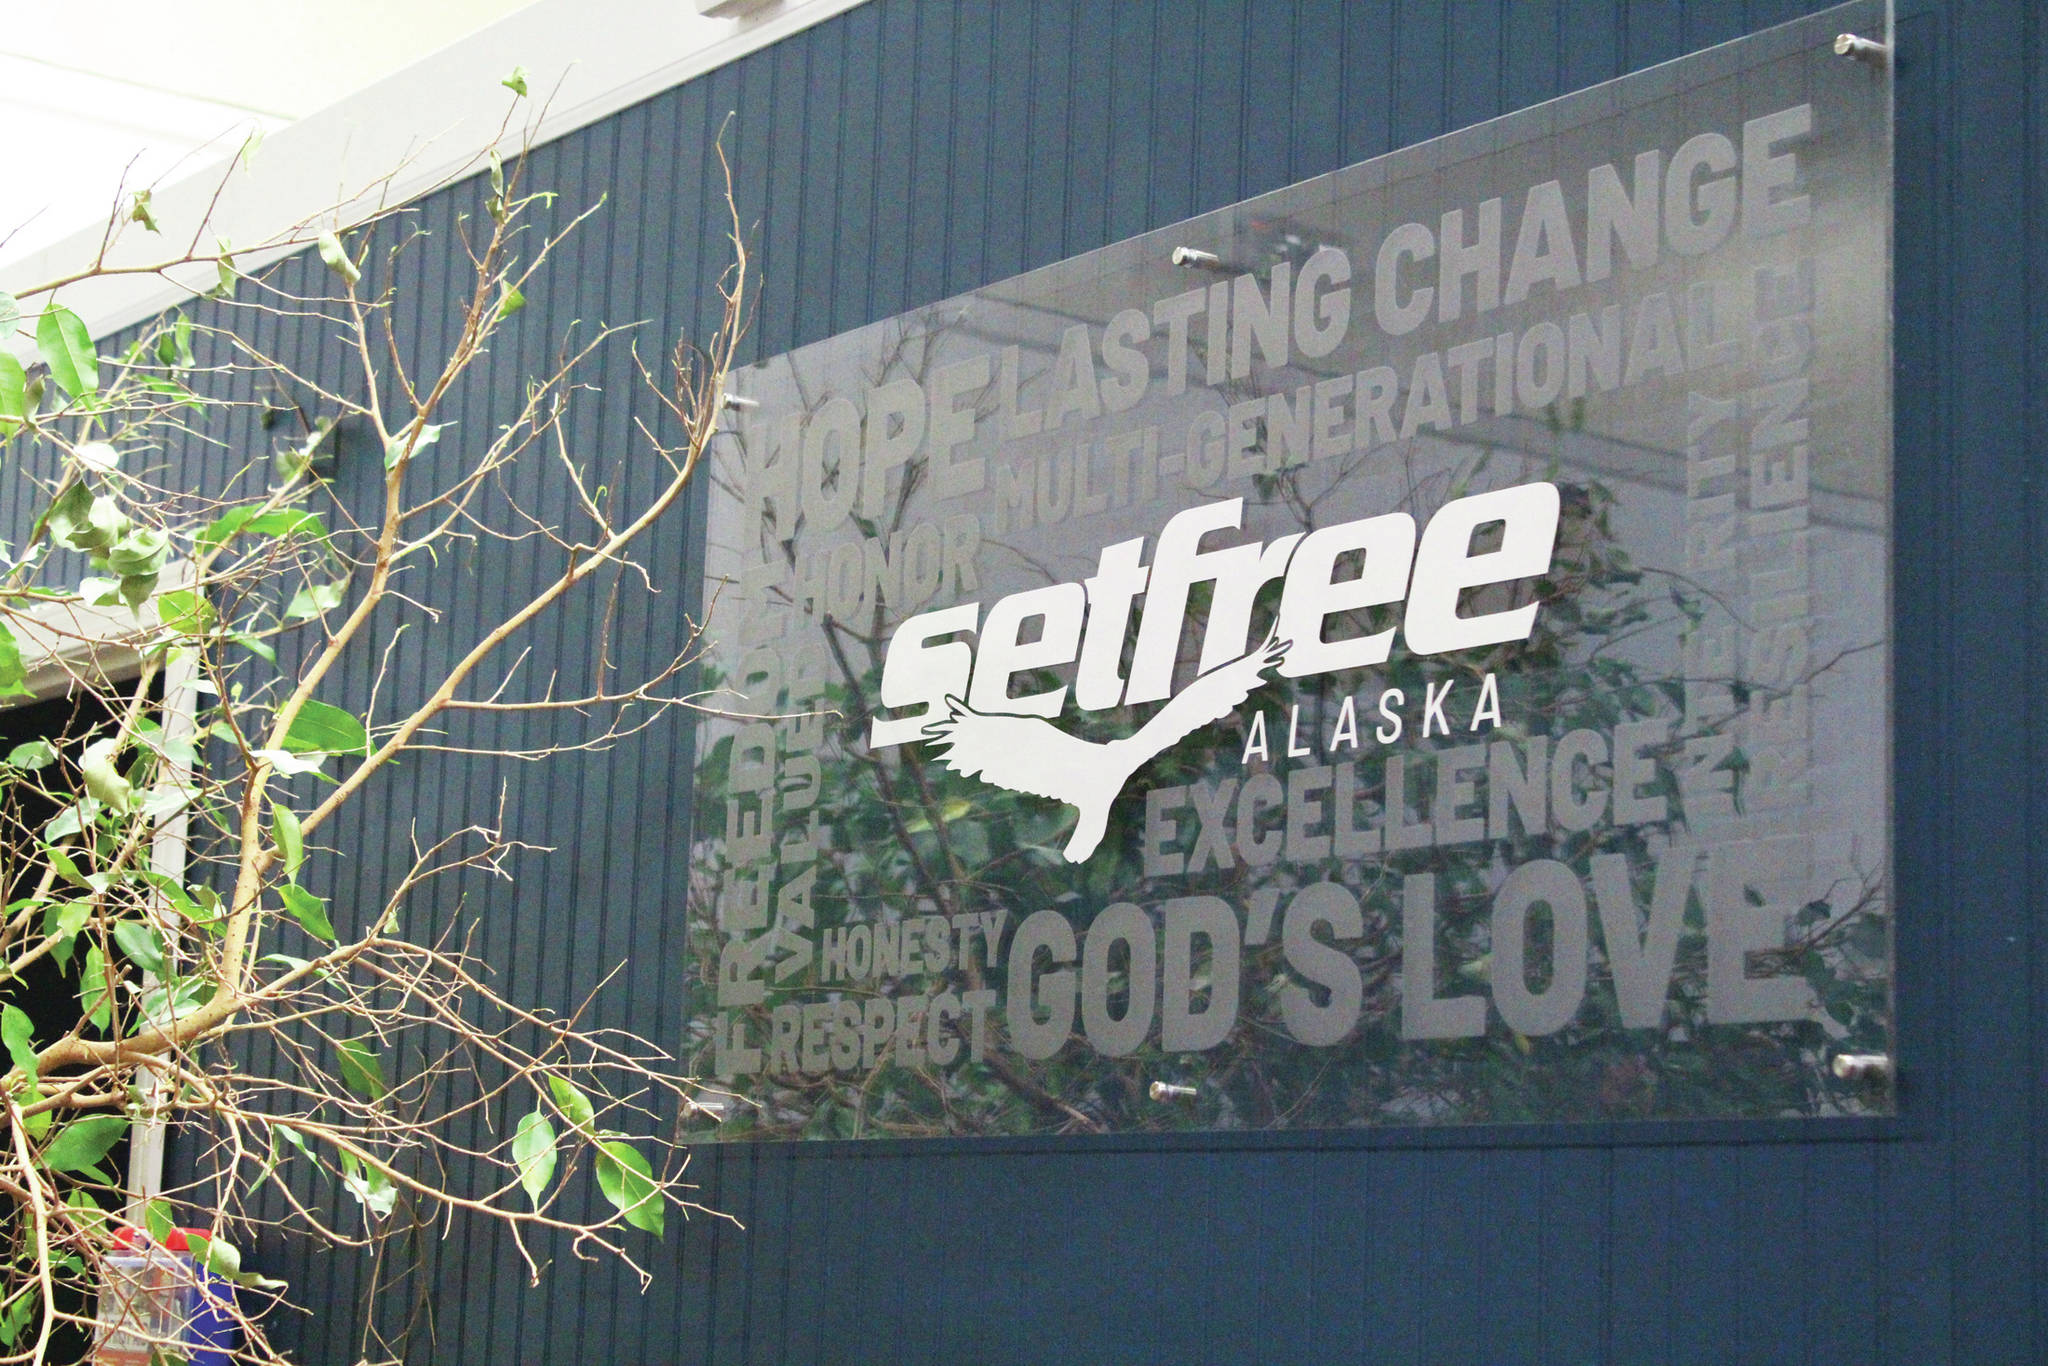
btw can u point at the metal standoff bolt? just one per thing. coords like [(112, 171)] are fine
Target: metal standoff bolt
[(1862, 49), (1166, 1090), (741, 401), (1195, 258), (1862, 1066)]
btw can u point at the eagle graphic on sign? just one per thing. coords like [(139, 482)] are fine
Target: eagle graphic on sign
[(1025, 754)]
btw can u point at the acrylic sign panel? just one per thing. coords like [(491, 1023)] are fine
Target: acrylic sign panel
[(1411, 648)]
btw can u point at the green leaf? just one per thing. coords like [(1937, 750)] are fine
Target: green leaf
[(19, 1033), (19, 1311), (141, 945), (309, 910), (533, 1152), (246, 520), (27, 1301), (72, 820), (178, 394), (181, 901), (93, 997), (98, 457), (104, 524), (62, 922), (361, 1068), (286, 762), (215, 1253), (516, 82), (157, 1221), (66, 348), (102, 780), (249, 1280), (10, 317), (165, 1004), (224, 267), (135, 589), (291, 845), (83, 1142), (510, 302), (255, 645), (32, 755), (372, 1187), (337, 258), (282, 522), (69, 510), (429, 434), (186, 611), (86, 1212), (171, 390), (628, 1182), (138, 211), (15, 408), (84, 521), (14, 683), (223, 527), (67, 868), (324, 729), (162, 801), (312, 600), (576, 1107), (139, 552)]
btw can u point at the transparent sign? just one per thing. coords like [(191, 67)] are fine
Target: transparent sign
[(1411, 648)]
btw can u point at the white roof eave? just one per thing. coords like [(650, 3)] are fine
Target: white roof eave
[(409, 133)]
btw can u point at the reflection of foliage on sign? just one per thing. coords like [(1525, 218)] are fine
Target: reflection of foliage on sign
[(903, 839)]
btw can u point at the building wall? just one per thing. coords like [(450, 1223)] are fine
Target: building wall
[(905, 152)]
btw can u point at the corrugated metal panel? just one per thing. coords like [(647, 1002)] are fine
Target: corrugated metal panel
[(904, 152)]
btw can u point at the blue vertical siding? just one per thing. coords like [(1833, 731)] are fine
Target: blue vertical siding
[(905, 152)]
